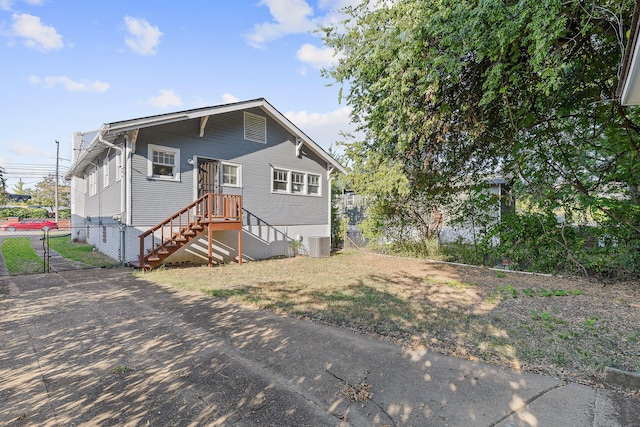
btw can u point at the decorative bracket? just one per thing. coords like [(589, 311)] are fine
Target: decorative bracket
[(299, 145), (203, 124)]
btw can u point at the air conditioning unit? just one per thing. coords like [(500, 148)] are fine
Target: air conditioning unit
[(319, 247)]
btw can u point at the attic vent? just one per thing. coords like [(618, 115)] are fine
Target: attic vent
[(255, 128)]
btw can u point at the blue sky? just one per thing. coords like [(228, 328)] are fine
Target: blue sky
[(73, 65)]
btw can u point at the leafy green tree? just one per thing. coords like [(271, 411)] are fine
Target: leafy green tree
[(44, 193), (448, 92), (19, 188)]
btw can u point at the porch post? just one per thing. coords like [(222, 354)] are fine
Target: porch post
[(240, 245), (210, 240)]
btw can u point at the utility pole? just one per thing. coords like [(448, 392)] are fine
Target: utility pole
[(57, 169)]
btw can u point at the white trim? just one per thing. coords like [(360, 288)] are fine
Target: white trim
[(290, 183), (176, 162), (119, 165), (93, 181), (105, 172), (238, 167)]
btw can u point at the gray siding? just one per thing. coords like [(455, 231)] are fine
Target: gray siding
[(154, 200), (106, 202)]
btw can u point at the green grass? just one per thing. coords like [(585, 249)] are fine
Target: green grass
[(80, 252), (19, 256)]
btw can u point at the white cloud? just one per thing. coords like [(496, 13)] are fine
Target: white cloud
[(318, 57), (8, 4), (50, 82), (22, 149), (228, 98), (36, 34), (143, 37), (289, 17), (324, 128), (167, 98)]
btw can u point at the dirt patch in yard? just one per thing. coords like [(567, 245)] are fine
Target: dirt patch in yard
[(565, 327)]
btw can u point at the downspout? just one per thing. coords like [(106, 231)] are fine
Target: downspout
[(123, 190), (329, 192)]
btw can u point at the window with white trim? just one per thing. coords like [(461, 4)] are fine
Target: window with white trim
[(105, 175), (280, 180), (296, 182), (164, 163), (313, 184), (255, 128), (231, 175), (119, 166), (93, 182)]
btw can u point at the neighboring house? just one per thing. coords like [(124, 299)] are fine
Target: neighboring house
[(228, 182), (472, 229), (629, 83), (501, 203)]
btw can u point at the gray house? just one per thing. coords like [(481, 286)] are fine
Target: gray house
[(229, 182)]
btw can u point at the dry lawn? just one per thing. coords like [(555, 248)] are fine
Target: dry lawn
[(569, 328)]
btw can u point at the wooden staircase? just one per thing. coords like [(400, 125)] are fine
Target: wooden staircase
[(211, 212)]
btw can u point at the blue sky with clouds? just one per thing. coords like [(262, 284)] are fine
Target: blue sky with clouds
[(73, 65)]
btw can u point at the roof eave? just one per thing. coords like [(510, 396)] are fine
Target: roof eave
[(108, 129), (628, 89)]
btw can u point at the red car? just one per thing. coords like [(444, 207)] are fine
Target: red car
[(29, 224)]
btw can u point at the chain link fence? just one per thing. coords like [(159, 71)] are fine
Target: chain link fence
[(63, 249)]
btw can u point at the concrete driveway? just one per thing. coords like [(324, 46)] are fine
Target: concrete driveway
[(101, 347)]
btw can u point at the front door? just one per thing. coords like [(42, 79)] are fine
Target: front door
[(208, 177)]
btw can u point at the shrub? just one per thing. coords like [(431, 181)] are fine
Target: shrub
[(23, 213)]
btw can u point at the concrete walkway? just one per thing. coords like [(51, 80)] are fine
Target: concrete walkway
[(100, 347)]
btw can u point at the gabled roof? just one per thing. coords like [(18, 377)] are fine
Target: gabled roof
[(110, 132), (629, 83)]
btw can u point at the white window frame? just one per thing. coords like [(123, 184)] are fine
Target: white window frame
[(255, 128), (298, 182), (284, 178), (319, 184), (176, 161), (290, 173), (119, 166), (105, 172), (238, 174), (93, 182)]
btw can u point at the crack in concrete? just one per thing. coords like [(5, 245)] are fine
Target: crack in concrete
[(528, 402)]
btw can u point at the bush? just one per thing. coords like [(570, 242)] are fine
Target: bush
[(23, 213), (537, 242), (410, 248), (531, 242)]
